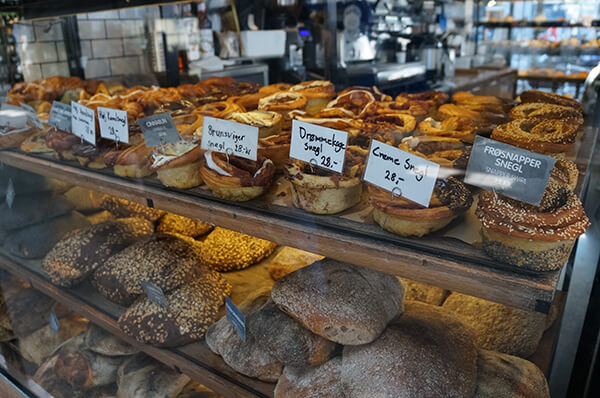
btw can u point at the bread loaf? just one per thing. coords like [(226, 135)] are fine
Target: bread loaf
[(344, 303), (506, 376), (173, 223), (246, 357), (322, 381), (101, 342), (499, 327), (124, 208), (29, 310), (76, 256), (429, 294), (29, 210), (287, 260), (142, 377), (425, 353), (164, 260), (286, 339)]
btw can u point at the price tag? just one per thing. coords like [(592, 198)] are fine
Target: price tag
[(83, 122), (113, 124), (54, 324), (60, 116), (155, 294), (159, 129), (508, 170), (32, 116), (401, 173), (10, 193), (236, 318), (229, 137), (319, 146)]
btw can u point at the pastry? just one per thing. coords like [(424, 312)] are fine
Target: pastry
[(268, 122), (276, 148), (400, 124), (178, 164), (450, 198), (547, 136), (352, 104), (565, 173), (453, 127), (61, 142), (76, 256), (133, 161), (122, 208), (538, 110), (376, 92), (324, 381), (273, 88), (434, 98), (197, 390), (235, 178), (172, 223), (481, 103), (143, 377), (224, 250), (283, 103), (36, 143), (549, 98), (314, 295), (288, 260), (317, 92)]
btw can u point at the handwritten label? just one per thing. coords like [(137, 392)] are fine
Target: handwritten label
[(32, 116), (319, 146), (10, 193), (229, 137), (401, 173), (159, 129), (155, 294), (83, 122), (60, 116), (113, 124), (54, 324), (508, 170), (236, 318)]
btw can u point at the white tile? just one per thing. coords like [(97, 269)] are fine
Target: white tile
[(86, 48), (134, 46), (124, 66), (132, 28), (23, 32), (61, 51), (114, 28), (96, 68), (32, 72), (104, 15), (38, 52), (91, 30), (133, 13), (48, 30), (55, 69), (107, 48)]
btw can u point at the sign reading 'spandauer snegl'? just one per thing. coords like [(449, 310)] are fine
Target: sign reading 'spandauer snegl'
[(159, 129), (60, 116), (229, 137), (508, 170), (318, 145)]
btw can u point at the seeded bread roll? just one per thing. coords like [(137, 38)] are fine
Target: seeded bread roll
[(322, 381), (499, 327), (344, 303), (425, 353), (142, 377), (165, 260), (124, 208), (192, 308), (286, 339), (224, 250), (506, 376), (80, 253), (172, 223)]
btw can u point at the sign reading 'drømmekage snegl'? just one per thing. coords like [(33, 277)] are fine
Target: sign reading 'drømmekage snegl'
[(83, 122), (159, 129), (60, 116), (401, 173), (508, 170), (229, 137), (113, 124), (236, 318), (318, 145)]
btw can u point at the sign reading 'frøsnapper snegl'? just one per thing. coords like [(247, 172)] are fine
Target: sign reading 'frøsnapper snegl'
[(159, 129), (508, 170)]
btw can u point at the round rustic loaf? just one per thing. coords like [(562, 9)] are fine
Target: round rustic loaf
[(322, 381), (142, 376), (344, 303)]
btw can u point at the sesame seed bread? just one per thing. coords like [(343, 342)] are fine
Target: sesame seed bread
[(125, 208), (142, 377), (322, 381), (77, 255), (286, 339), (192, 308), (173, 223), (344, 303), (506, 376), (104, 343), (165, 260)]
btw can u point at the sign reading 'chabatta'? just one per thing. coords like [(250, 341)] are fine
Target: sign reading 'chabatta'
[(159, 129)]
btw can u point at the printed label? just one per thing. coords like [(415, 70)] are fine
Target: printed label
[(60, 116), (83, 122), (319, 146), (155, 294), (508, 170), (113, 124), (236, 318), (229, 137), (159, 129), (401, 173)]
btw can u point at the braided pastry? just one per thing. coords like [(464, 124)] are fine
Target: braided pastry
[(542, 136), (549, 98), (546, 111)]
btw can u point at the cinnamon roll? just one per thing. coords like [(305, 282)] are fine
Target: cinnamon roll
[(399, 124), (418, 109), (268, 122), (377, 94), (271, 89), (219, 109), (450, 199), (549, 98), (538, 135), (283, 103), (276, 148), (234, 178), (317, 92), (338, 123), (352, 104), (178, 164)]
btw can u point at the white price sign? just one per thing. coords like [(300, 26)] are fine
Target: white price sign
[(229, 137), (319, 146), (401, 173), (113, 124), (83, 122)]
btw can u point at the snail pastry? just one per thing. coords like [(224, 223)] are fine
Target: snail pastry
[(234, 178), (276, 148), (273, 88), (177, 164), (338, 123), (377, 94), (418, 109), (399, 124), (565, 173), (450, 198), (538, 238), (479, 117), (317, 92), (351, 104), (268, 122), (453, 127), (320, 191), (220, 109), (133, 161), (549, 98), (283, 103), (538, 135)]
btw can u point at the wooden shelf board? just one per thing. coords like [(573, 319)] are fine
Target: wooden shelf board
[(195, 360)]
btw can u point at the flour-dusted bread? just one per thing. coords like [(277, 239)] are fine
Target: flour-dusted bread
[(76, 256), (425, 353), (499, 327), (143, 377), (192, 308), (506, 376), (322, 381), (247, 358), (286, 339), (342, 302), (165, 260), (101, 342), (429, 294)]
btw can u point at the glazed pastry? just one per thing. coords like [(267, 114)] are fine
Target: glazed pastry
[(276, 148), (188, 124), (268, 122), (549, 98), (538, 238), (283, 103), (235, 178), (377, 94), (399, 124), (338, 123), (401, 216), (133, 161), (274, 88), (418, 109), (317, 92), (178, 164), (220, 109), (538, 135), (351, 104), (481, 103)]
